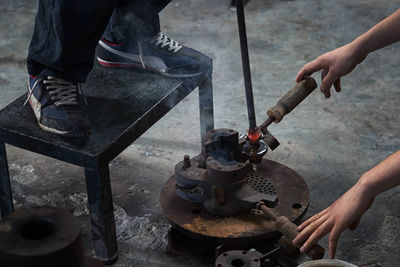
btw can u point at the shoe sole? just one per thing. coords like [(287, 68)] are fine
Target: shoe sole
[(75, 132), (111, 64), (124, 65)]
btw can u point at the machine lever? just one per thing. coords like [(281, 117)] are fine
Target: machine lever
[(289, 229)]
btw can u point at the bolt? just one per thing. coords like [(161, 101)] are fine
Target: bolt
[(186, 162), (220, 195)]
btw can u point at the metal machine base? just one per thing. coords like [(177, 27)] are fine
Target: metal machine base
[(270, 177)]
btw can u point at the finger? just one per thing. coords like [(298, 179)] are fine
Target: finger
[(333, 240), (309, 69), (338, 86), (319, 233), (308, 231), (326, 85), (354, 225), (311, 219), (323, 75)]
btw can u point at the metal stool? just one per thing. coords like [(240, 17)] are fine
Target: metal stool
[(123, 104)]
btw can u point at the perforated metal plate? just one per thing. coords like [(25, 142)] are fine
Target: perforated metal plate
[(262, 184), (270, 177)]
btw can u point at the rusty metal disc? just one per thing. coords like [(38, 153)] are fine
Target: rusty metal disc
[(270, 177), (42, 236), (238, 258)]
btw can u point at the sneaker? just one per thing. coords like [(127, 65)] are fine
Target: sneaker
[(58, 106), (160, 54)]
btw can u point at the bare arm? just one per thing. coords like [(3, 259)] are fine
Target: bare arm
[(346, 212), (384, 176), (343, 60), (381, 35)]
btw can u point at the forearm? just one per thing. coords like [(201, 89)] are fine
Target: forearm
[(382, 177), (381, 35)]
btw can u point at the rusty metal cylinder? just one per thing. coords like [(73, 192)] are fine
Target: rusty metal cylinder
[(289, 229), (292, 99), (41, 237)]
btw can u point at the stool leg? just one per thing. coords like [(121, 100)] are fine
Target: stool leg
[(206, 103), (101, 212), (6, 200)]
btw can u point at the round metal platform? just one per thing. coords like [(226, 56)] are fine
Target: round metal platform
[(270, 177)]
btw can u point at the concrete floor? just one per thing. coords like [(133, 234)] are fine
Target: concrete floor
[(330, 143)]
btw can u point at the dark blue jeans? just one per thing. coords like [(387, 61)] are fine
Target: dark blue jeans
[(67, 31)]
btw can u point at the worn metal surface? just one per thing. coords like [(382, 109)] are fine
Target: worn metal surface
[(42, 236), (217, 178), (271, 177), (143, 97)]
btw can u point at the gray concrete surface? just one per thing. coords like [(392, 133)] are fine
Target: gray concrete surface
[(328, 142)]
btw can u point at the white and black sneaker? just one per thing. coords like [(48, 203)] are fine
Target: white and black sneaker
[(160, 54), (58, 106)]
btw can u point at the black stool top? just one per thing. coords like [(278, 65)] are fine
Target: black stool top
[(123, 104)]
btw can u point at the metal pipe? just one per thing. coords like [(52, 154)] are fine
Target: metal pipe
[(246, 64), (263, 127)]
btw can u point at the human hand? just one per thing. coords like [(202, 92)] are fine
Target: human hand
[(344, 213), (335, 64)]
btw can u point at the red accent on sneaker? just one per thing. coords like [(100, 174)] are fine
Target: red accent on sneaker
[(108, 42), (119, 65), (33, 76)]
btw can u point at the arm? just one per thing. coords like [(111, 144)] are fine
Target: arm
[(343, 60), (346, 212)]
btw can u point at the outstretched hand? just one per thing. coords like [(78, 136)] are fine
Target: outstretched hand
[(344, 213), (335, 64)]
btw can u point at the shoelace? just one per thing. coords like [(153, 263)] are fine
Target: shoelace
[(61, 92), (163, 41)]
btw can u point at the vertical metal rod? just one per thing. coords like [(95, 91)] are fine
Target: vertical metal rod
[(246, 64)]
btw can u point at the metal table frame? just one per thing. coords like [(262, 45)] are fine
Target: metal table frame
[(96, 165)]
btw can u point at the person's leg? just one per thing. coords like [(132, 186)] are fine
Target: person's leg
[(65, 36), (61, 55), (134, 20)]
